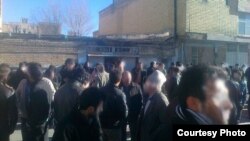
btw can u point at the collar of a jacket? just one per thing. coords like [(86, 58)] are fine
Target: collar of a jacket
[(188, 114)]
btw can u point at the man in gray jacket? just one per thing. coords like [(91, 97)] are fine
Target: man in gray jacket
[(153, 117)]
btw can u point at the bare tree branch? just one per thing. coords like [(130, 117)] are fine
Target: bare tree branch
[(78, 19), (75, 16)]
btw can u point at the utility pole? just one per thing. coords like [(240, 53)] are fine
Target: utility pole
[(175, 19)]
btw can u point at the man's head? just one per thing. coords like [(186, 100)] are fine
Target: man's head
[(203, 90), (115, 77), (126, 78), (100, 68), (153, 64), (86, 64), (154, 82), (91, 101), (23, 66), (4, 72), (139, 65), (35, 73), (161, 66), (121, 65), (236, 75), (70, 64), (80, 75)]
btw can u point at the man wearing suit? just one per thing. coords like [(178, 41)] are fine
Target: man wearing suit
[(153, 117)]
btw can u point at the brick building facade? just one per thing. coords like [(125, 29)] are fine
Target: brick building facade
[(55, 50), (206, 31)]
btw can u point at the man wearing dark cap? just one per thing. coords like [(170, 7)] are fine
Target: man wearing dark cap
[(82, 124), (8, 108)]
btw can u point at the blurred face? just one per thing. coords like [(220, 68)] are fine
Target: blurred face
[(122, 66), (24, 68), (237, 76), (155, 65), (217, 105), (126, 78), (140, 66), (70, 66), (52, 75), (30, 78), (149, 88)]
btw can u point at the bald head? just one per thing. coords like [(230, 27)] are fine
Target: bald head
[(126, 78)]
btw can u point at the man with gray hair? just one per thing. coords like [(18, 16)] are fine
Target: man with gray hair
[(153, 117)]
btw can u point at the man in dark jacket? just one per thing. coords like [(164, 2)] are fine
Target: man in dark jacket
[(8, 108), (66, 97), (66, 69), (82, 124), (18, 76), (114, 108), (34, 99), (138, 74), (152, 68), (172, 83), (203, 98), (134, 101), (153, 117), (233, 86)]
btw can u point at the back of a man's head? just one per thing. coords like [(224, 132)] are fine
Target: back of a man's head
[(100, 68), (35, 71), (115, 76), (90, 97), (193, 81), (69, 61)]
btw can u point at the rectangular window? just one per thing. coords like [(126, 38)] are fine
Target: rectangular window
[(243, 48), (244, 24), (227, 2)]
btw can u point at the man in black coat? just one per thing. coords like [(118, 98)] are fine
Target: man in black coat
[(138, 74), (134, 101), (67, 95), (152, 68), (153, 117), (8, 108), (82, 124), (18, 76), (114, 108)]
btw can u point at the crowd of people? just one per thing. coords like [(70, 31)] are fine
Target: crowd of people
[(90, 103)]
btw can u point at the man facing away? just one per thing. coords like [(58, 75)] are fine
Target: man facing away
[(82, 124), (34, 97), (67, 95), (8, 108), (134, 101), (153, 117), (114, 108), (18, 76)]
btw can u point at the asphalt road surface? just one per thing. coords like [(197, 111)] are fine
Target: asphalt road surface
[(18, 137)]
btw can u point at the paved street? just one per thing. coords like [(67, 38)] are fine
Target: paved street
[(17, 135)]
